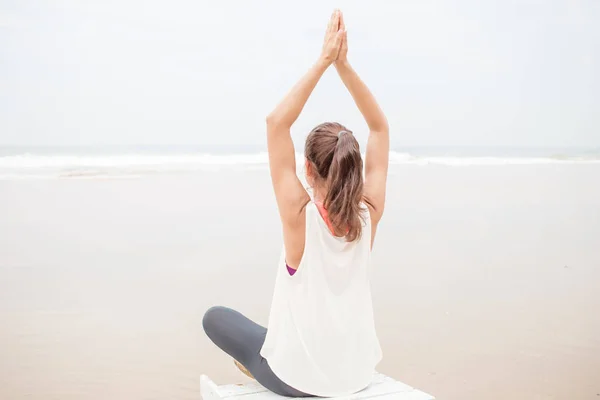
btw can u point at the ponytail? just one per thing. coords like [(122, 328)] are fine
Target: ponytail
[(345, 183)]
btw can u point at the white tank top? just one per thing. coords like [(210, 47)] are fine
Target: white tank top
[(321, 336)]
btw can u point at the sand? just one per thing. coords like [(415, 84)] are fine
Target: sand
[(486, 284)]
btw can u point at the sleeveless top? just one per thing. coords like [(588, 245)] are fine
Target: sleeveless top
[(321, 337)]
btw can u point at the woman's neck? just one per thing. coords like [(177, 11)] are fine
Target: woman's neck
[(319, 194)]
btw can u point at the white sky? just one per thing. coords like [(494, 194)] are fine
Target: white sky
[(520, 73)]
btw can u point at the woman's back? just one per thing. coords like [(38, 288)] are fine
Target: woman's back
[(321, 337)]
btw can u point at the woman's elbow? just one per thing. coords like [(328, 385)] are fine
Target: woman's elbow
[(271, 119), (274, 121), (383, 126)]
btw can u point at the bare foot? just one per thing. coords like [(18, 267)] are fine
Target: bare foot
[(243, 369)]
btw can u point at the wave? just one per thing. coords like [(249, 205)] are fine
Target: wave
[(406, 158), (37, 166), (124, 160)]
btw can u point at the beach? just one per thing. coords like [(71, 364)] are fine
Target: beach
[(486, 280)]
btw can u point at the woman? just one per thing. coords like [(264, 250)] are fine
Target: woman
[(321, 338)]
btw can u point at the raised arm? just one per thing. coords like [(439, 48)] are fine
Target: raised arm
[(289, 192), (378, 145)]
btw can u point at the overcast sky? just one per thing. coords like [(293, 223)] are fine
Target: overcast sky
[(520, 73)]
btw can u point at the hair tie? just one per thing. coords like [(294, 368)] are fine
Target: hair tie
[(340, 133)]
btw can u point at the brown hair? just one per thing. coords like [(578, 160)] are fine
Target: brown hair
[(335, 158)]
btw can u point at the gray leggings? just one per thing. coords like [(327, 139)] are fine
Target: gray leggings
[(242, 339)]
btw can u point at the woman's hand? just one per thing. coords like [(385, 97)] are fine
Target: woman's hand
[(333, 39), (343, 54)]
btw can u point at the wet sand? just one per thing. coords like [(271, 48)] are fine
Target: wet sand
[(486, 283)]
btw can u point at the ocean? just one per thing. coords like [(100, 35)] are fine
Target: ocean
[(43, 162)]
